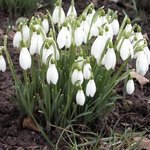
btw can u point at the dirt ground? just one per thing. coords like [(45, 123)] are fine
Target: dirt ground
[(132, 111)]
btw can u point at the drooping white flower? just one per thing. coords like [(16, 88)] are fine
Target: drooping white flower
[(52, 74), (77, 75), (80, 98), (91, 88), (115, 26), (40, 42), (2, 63), (72, 11), (90, 16), (147, 52), (17, 39), (25, 33), (98, 47), (139, 36), (64, 38), (87, 71), (25, 59), (45, 25), (126, 49), (130, 87), (108, 32), (110, 59), (58, 15), (46, 53), (128, 27), (142, 63), (34, 44), (78, 36)]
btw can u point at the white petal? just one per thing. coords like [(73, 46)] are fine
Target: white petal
[(91, 88), (87, 71), (46, 54), (54, 74), (80, 98), (61, 38), (80, 77), (115, 26), (130, 87), (74, 76), (17, 38), (34, 43), (25, 32), (71, 11), (147, 52), (55, 15), (78, 36), (62, 18), (45, 25), (39, 43), (2, 64), (25, 58)]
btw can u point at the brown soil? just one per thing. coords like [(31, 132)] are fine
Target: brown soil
[(132, 111)]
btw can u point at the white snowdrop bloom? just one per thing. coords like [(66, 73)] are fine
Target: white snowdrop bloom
[(72, 11), (130, 87), (90, 16), (52, 74), (34, 42), (2, 63), (17, 39), (56, 18), (94, 30), (115, 26), (110, 59), (85, 27), (25, 59), (128, 28), (98, 47), (40, 42), (142, 63), (78, 36), (25, 33), (45, 25), (87, 71), (108, 32), (80, 98), (46, 53), (126, 49), (64, 38), (147, 52), (139, 36), (91, 88), (77, 76)]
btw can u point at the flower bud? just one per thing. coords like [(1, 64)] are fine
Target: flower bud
[(80, 98), (130, 87), (91, 88)]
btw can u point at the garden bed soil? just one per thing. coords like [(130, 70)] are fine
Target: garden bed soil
[(130, 112)]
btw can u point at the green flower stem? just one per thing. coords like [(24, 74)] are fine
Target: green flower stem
[(9, 60)]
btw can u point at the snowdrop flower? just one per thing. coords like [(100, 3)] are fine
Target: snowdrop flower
[(17, 39), (90, 16), (139, 36), (80, 61), (64, 38), (142, 63), (34, 42), (52, 74), (126, 49), (40, 42), (58, 15), (98, 47), (25, 32), (91, 88), (72, 11), (25, 59), (147, 52), (2, 63), (80, 98), (45, 25), (130, 87), (78, 36), (87, 71), (110, 59), (77, 75), (108, 32), (115, 26)]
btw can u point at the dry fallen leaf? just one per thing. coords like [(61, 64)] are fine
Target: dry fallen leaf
[(143, 143), (29, 123), (140, 78)]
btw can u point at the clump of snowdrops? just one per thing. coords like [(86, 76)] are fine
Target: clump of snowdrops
[(72, 63)]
